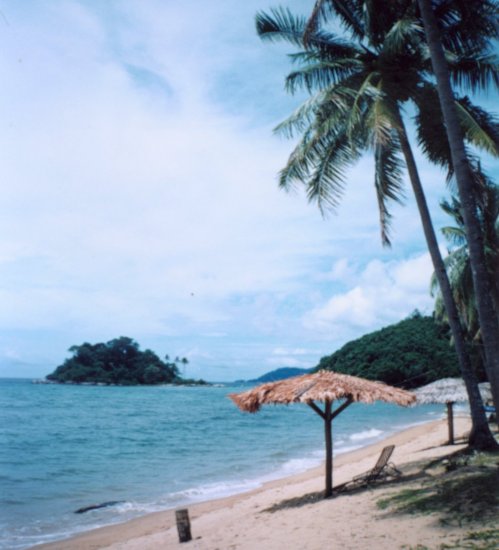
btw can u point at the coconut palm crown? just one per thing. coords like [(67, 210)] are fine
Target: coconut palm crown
[(357, 93)]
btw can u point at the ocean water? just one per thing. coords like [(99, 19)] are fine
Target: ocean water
[(152, 448)]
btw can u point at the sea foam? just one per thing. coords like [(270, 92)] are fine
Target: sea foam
[(366, 434)]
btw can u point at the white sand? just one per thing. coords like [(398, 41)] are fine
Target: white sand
[(348, 521)]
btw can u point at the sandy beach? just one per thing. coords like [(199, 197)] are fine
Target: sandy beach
[(290, 513)]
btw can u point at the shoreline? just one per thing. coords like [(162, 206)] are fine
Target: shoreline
[(221, 517)]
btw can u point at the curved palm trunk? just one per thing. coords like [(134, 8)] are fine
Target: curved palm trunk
[(494, 270), (480, 436), (491, 235), (489, 323)]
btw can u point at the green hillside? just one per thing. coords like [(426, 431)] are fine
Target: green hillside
[(408, 354)]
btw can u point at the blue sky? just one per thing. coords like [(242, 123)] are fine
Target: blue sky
[(139, 197)]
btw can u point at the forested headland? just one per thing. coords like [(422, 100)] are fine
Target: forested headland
[(119, 362), (408, 354)]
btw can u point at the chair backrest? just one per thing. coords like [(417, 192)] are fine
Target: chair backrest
[(383, 459)]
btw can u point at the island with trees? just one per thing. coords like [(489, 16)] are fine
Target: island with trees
[(119, 362)]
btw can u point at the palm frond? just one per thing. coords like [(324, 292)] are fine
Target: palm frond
[(329, 46), (319, 11), (380, 119), (327, 183), (467, 25), (387, 182), (280, 25), (452, 208), (430, 129), (298, 166), (475, 71), (481, 128), (319, 76), (319, 163), (325, 63), (364, 97), (454, 235), (371, 20), (347, 10), (402, 33), (301, 118)]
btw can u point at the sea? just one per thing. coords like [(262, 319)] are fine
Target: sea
[(152, 448)]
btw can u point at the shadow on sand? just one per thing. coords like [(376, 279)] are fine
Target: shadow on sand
[(317, 496)]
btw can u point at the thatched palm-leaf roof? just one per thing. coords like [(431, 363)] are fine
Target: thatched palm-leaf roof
[(321, 386), (447, 390)]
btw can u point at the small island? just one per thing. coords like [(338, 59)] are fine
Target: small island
[(118, 362)]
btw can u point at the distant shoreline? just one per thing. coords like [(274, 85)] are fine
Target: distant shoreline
[(72, 383)]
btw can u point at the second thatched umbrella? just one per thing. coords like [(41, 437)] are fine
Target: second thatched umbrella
[(448, 391), (325, 387)]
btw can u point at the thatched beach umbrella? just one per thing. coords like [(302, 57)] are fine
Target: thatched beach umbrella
[(448, 391), (326, 387)]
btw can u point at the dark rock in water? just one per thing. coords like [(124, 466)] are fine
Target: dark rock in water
[(97, 506)]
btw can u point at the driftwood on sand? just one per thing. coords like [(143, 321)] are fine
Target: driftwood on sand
[(97, 506)]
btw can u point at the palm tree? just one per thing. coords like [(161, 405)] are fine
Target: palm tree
[(457, 25), (489, 323), (458, 261), (359, 91)]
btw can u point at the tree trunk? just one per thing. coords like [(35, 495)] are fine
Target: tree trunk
[(480, 436), (450, 421), (491, 236), (329, 448), (489, 324)]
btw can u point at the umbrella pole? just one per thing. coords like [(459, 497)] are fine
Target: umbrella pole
[(450, 421), (327, 415), (328, 421)]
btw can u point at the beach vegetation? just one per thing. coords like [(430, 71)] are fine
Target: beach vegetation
[(119, 361), (408, 354), (465, 493), (477, 540)]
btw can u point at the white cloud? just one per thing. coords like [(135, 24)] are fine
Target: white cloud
[(381, 293), (354, 307), (341, 271)]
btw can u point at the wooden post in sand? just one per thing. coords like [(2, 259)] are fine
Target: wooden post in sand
[(183, 525), (450, 421), (329, 448)]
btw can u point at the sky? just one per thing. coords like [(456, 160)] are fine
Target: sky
[(139, 197)]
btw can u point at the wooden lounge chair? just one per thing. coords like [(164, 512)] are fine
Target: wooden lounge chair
[(381, 470)]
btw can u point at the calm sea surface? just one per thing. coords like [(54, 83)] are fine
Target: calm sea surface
[(152, 448)]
